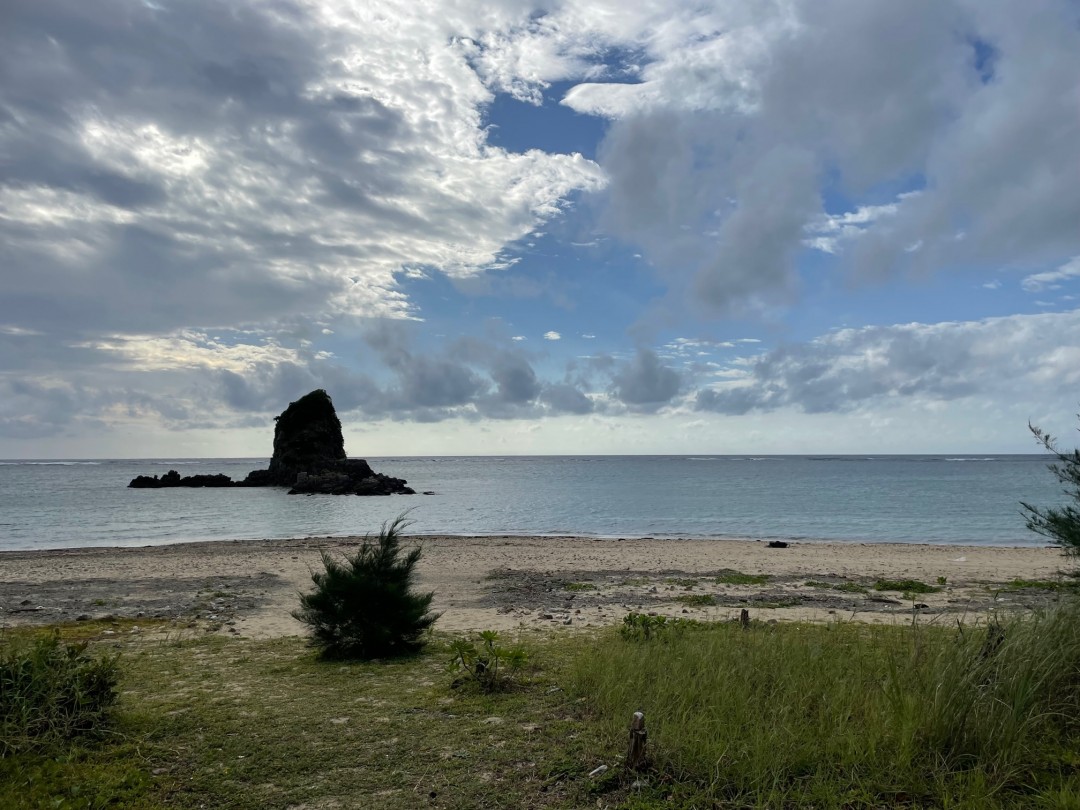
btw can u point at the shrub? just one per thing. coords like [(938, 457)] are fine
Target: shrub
[(50, 691), (489, 666), (363, 606), (1062, 525)]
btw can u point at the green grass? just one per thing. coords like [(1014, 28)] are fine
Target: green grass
[(789, 716), (851, 716), (738, 578), (907, 586), (215, 722), (696, 600)]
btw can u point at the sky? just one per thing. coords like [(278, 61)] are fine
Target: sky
[(737, 226)]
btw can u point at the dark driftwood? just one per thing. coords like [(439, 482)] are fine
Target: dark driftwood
[(635, 755)]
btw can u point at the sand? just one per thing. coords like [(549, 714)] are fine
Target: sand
[(248, 588)]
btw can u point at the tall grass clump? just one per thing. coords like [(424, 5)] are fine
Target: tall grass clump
[(364, 606), (852, 715), (51, 691)]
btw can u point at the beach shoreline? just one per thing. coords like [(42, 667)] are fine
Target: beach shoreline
[(507, 582)]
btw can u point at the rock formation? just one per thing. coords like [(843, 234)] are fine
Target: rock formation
[(172, 479), (309, 457)]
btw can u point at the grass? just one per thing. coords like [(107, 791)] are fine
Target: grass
[(215, 722), (907, 586), (51, 691), (738, 578), (788, 715), (852, 716), (696, 600)]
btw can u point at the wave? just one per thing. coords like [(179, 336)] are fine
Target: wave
[(971, 459), (49, 463)]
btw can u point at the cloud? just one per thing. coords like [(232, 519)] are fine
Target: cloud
[(997, 359), (194, 165), (1050, 280), (552, 336), (644, 382), (745, 117)]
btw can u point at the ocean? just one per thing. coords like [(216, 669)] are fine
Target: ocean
[(904, 499)]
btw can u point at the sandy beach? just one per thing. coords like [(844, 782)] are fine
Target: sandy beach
[(247, 588)]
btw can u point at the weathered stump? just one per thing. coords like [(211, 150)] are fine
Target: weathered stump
[(744, 618), (636, 757)]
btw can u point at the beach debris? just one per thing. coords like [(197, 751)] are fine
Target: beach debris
[(636, 757), (777, 544)]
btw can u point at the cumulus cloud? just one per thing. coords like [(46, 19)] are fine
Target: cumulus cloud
[(182, 165), (1052, 279), (997, 358), (644, 382), (552, 335), (743, 117)]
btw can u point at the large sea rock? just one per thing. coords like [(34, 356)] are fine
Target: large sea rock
[(309, 457)]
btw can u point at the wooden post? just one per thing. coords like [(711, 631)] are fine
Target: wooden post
[(635, 754), (744, 618)]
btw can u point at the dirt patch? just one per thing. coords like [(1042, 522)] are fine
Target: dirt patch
[(215, 599)]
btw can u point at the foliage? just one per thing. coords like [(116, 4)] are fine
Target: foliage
[(51, 691), (696, 600), (364, 606), (1061, 525), (643, 627), (908, 586), (847, 715), (490, 666), (739, 578)]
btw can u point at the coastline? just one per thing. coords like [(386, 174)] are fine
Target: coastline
[(247, 587)]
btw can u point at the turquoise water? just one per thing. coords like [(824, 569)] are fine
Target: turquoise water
[(908, 499)]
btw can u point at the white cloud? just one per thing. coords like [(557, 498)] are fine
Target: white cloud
[(248, 165), (552, 335), (1051, 280), (518, 338), (1032, 359)]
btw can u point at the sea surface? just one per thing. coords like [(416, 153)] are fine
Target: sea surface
[(906, 499)]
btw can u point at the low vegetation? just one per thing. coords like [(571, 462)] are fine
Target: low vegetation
[(905, 586), (738, 578), (788, 715), (696, 600), (363, 606), (847, 715), (486, 662), (51, 691)]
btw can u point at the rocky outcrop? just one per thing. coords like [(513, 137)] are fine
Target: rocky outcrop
[(309, 458), (172, 479)]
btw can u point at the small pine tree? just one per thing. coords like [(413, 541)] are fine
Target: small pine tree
[(1062, 525), (363, 606)]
